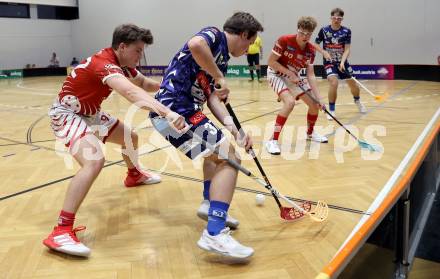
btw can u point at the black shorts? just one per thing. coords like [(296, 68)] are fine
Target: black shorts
[(191, 145), (332, 69), (253, 59)]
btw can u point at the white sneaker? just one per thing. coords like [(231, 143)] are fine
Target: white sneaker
[(361, 107), (273, 147), (64, 240), (202, 212), (224, 244), (332, 112), (317, 137), (141, 178)]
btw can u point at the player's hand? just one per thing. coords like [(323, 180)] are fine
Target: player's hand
[(342, 67), (303, 84), (244, 141), (177, 122), (293, 78), (221, 88), (327, 55), (320, 102)]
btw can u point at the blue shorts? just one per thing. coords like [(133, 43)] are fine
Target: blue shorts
[(333, 69), (191, 145)]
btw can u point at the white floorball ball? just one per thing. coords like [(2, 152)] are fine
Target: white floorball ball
[(259, 199)]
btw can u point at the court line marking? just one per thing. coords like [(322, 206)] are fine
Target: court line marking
[(36, 107), (61, 179), (122, 163), (110, 163), (116, 162), (189, 178), (8, 155), (31, 127), (21, 86)]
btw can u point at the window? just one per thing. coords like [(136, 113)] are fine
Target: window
[(57, 12), (14, 10)]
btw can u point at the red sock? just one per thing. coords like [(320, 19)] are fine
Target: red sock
[(279, 123), (311, 120), (66, 218)]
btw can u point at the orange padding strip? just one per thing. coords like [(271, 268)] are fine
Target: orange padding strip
[(390, 200)]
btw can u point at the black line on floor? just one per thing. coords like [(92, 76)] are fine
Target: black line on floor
[(66, 178), (336, 207), (25, 143), (31, 127), (8, 155), (16, 142), (165, 173)]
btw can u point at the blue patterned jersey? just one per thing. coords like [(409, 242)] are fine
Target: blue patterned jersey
[(185, 86), (334, 41)]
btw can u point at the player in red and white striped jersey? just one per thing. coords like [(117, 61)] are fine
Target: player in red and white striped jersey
[(77, 120), (289, 56)]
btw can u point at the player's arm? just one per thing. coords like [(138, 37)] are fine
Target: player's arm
[(148, 84), (345, 55), (317, 43), (275, 65), (318, 47), (203, 56), (219, 111), (324, 53), (138, 96), (311, 78)]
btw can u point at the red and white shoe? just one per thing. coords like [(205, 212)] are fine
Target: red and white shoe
[(137, 178), (63, 239)]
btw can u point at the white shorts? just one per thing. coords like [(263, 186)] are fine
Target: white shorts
[(280, 84), (69, 126)]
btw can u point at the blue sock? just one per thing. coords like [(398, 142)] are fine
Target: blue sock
[(356, 98), (206, 186), (217, 217), (332, 106)]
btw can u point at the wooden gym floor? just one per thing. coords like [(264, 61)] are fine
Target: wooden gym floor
[(151, 231)]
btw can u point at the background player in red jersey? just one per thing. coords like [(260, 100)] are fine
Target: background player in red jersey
[(77, 119), (290, 54)]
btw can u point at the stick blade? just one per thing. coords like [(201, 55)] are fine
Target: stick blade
[(293, 214), (371, 147), (381, 98), (320, 213)]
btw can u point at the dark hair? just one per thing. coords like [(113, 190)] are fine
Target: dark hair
[(337, 11), (130, 33), (307, 23), (241, 22)]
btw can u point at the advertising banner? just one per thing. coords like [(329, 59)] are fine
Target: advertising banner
[(238, 71), (6, 74), (373, 71), (152, 70)]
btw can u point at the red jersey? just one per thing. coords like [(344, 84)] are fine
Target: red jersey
[(85, 88), (291, 55)]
